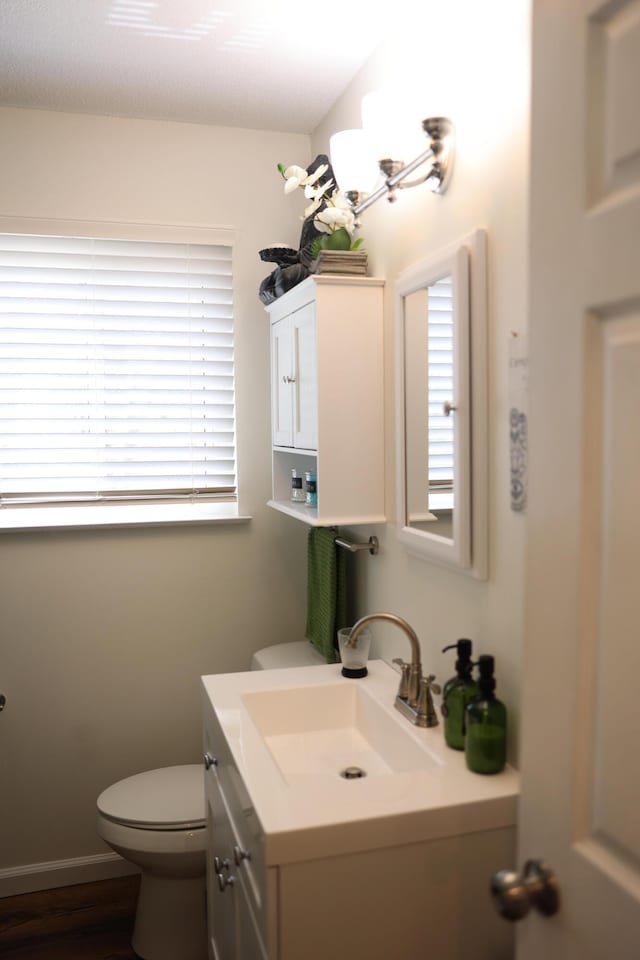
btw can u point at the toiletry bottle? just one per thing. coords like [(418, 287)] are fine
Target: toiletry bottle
[(456, 694), (311, 487), (486, 737), (298, 494)]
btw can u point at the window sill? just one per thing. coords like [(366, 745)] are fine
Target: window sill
[(112, 515)]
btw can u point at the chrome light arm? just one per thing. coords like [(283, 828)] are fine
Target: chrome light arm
[(439, 130)]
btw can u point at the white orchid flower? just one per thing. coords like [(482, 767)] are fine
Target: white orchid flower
[(333, 218), (319, 172), (339, 200), (316, 195), (293, 177), (298, 177)]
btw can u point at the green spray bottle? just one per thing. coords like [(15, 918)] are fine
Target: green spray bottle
[(456, 694)]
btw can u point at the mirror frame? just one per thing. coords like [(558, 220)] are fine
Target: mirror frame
[(466, 262)]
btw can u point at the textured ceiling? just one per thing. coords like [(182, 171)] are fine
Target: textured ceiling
[(265, 65)]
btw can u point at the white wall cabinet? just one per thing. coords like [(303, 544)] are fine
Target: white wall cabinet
[(327, 403)]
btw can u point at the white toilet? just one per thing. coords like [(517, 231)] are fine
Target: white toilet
[(157, 821)]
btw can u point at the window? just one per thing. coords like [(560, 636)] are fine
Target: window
[(440, 379), (116, 368)]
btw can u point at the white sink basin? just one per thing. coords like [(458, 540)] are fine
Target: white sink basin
[(288, 734), (334, 730)]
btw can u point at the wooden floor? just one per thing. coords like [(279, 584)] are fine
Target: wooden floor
[(90, 921)]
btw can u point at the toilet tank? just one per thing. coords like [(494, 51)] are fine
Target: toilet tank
[(297, 653)]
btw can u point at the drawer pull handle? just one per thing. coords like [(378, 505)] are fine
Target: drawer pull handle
[(210, 761)]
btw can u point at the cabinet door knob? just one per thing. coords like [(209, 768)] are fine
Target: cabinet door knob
[(239, 855), (210, 761), (288, 379), (224, 882)]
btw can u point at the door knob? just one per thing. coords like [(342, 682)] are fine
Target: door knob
[(210, 761), (514, 894)]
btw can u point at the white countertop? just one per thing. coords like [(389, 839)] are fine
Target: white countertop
[(320, 816)]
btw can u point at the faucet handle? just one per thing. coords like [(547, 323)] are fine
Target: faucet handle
[(427, 716), (403, 689), (435, 687)]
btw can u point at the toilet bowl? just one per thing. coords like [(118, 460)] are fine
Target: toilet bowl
[(156, 820)]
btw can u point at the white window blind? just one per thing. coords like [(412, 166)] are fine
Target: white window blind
[(116, 370), (440, 353)]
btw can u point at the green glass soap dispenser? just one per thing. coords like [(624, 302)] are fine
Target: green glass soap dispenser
[(486, 738), (456, 694)]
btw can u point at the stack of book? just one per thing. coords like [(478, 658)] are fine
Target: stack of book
[(341, 261)]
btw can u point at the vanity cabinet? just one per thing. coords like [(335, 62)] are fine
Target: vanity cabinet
[(370, 892), (327, 404)]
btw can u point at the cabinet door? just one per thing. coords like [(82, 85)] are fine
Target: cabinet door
[(221, 894), (232, 928), (282, 383), (305, 409), (249, 945)]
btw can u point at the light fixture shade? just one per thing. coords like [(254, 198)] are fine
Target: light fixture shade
[(353, 161), (392, 124)]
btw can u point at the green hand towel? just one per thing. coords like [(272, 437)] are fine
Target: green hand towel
[(326, 591)]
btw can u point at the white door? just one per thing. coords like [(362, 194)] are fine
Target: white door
[(580, 755)]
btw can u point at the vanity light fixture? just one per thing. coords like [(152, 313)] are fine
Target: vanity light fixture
[(353, 153)]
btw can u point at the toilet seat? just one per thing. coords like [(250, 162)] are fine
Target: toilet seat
[(169, 798)]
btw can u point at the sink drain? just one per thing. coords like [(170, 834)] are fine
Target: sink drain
[(353, 773)]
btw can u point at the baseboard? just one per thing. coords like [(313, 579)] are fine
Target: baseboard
[(62, 873)]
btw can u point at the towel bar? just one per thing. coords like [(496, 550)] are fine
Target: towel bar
[(371, 546)]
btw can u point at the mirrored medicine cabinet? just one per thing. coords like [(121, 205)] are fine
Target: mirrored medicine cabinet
[(441, 406)]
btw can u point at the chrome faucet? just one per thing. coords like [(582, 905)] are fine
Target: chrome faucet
[(414, 698)]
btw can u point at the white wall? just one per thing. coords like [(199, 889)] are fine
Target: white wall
[(105, 634), (470, 62)]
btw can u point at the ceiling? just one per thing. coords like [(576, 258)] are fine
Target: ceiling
[(260, 64)]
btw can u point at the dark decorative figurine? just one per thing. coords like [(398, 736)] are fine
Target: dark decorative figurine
[(294, 266)]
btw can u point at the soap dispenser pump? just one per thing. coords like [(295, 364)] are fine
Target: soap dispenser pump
[(456, 694), (486, 716)]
